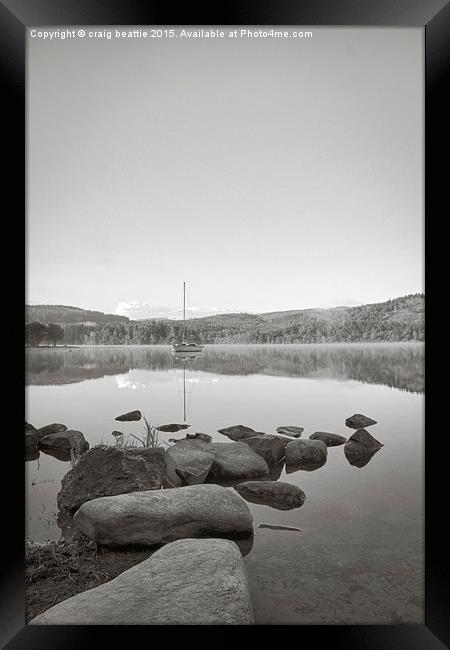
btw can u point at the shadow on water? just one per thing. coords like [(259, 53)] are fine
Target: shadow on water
[(396, 365)]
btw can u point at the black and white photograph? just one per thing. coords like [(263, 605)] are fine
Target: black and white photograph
[(225, 325)]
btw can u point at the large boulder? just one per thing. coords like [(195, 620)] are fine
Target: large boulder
[(276, 494), (234, 461), (187, 582), (29, 427), (239, 432), (105, 471), (289, 430), (131, 416), (188, 463), (305, 454), (68, 441), (161, 516), (330, 439), (56, 427), (358, 421), (271, 448), (360, 448)]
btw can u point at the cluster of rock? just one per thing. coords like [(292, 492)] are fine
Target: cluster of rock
[(55, 440), (178, 498)]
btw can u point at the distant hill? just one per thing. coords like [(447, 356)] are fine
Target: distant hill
[(64, 315), (399, 319)]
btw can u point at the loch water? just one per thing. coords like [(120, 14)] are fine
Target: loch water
[(358, 557)]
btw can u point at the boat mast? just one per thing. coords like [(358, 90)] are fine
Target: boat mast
[(184, 310), (184, 392)]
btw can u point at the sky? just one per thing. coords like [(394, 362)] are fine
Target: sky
[(268, 174)]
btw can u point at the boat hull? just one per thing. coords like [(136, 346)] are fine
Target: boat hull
[(187, 348)]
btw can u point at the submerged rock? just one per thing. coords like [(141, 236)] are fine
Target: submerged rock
[(69, 440), (131, 416), (276, 494), (358, 421), (239, 432), (305, 454), (360, 448), (294, 432), (161, 516), (51, 428), (187, 582), (271, 448), (187, 463), (105, 471), (234, 461), (172, 428), (330, 439)]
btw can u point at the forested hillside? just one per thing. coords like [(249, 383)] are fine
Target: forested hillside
[(68, 315), (400, 319)]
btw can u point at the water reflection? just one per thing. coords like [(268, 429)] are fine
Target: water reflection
[(359, 460), (396, 365)]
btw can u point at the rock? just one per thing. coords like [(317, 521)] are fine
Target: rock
[(131, 416), (276, 494), (31, 444), (105, 471), (271, 448), (234, 461), (294, 432), (199, 436), (29, 427), (275, 471), (161, 516), (360, 448), (187, 463), (171, 428), (69, 440), (358, 421), (305, 454), (187, 582), (51, 428), (239, 432), (330, 439), (31, 439), (363, 437)]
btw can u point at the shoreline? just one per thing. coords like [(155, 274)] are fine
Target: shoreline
[(82, 346), (58, 569)]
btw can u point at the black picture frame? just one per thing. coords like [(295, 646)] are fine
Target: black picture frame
[(434, 16)]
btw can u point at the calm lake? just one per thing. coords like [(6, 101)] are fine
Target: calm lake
[(359, 557)]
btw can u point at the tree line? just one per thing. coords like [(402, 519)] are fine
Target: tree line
[(37, 333), (400, 319)]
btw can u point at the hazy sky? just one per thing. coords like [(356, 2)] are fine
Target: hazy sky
[(267, 174)]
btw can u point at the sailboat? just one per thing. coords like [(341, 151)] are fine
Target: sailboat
[(186, 346)]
